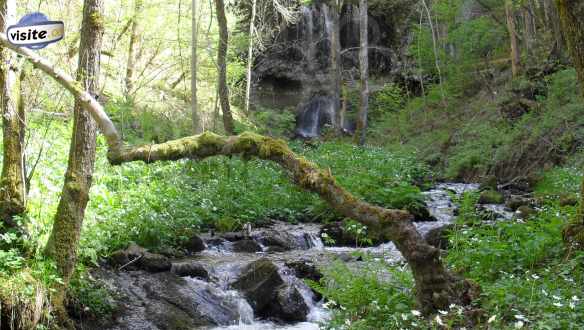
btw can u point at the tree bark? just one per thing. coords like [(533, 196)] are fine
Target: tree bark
[(571, 13), (436, 287), (337, 63), (134, 36), (63, 241), (12, 181), (250, 54), (361, 133), (515, 55), (222, 67), (194, 59)]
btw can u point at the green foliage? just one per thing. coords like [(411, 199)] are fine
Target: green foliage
[(278, 123), (389, 99), (521, 269), (88, 297)]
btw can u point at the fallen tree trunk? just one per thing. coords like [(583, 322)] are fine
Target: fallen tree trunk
[(436, 287)]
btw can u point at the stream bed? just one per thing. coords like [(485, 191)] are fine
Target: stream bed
[(253, 281)]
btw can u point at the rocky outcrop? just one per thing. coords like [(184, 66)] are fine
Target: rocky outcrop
[(247, 246)]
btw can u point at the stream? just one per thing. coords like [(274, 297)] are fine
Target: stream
[(217, 296)]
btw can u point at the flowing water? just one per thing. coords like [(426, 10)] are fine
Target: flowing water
[(215, 297)]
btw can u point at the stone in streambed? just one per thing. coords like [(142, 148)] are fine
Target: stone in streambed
[(246, 246), (194, 244), (190, 269), (258, 282), (491, 197), (136, 257)]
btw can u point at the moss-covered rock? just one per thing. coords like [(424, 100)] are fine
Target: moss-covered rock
[(569, 200), (491, 197), (525, 212)]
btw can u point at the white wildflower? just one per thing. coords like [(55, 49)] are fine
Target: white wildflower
[(492, 319), (520, 317), (519, 324), (556, 297), (557, 304), (416, 313), (452, 306), (572, 305), (535, 277), (438, 320), (443, 312), (575, 298)]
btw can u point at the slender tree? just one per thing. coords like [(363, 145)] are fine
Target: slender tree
[(337, 61), (134, 36), (222, 66), (250, 53), (194, 59), (515, 55), (64, 238), (361, 132), (571, 13), (12, 181)]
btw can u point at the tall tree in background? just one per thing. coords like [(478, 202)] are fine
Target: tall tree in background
[(337, 61), (194, 59), (361, 132), (12, 182), (512, 30), (222, 66), (571, 14), (134, 36), (250, 53), (63, 242)]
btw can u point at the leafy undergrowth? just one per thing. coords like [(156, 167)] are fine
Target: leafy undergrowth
[(527, 279)]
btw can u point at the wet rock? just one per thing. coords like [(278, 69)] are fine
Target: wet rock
[(420, 213), (514, 202), (283, 241), (259, 282), (191, 269), (166, 301), (136, 257), (438, 237), (194, 244), (489, 182), (233, 236), (246, 245), (568, 200), (491, 197), (289, 305), (305, 269), (171, 252), (525, 212)]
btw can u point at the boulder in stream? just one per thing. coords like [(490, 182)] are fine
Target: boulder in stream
[(136, 257), (190, 269), (194, 244), (269, 294), (246, 246)]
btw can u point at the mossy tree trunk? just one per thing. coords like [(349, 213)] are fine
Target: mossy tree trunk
[(195, 117), (512, 30), (571, 14), (64, 238), (436, 287), (12, 181), (222, 66)]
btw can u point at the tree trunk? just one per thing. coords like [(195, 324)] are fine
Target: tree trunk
[(337, 63), (436, 287), (361, 133), (515, 55), (528, 31), (196, 118), (134, 36), (222, 67), (64, 239), (571, 13), (250, 54), (12, 181)]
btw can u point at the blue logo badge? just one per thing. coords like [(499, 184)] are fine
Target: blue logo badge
[(35, 31)]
